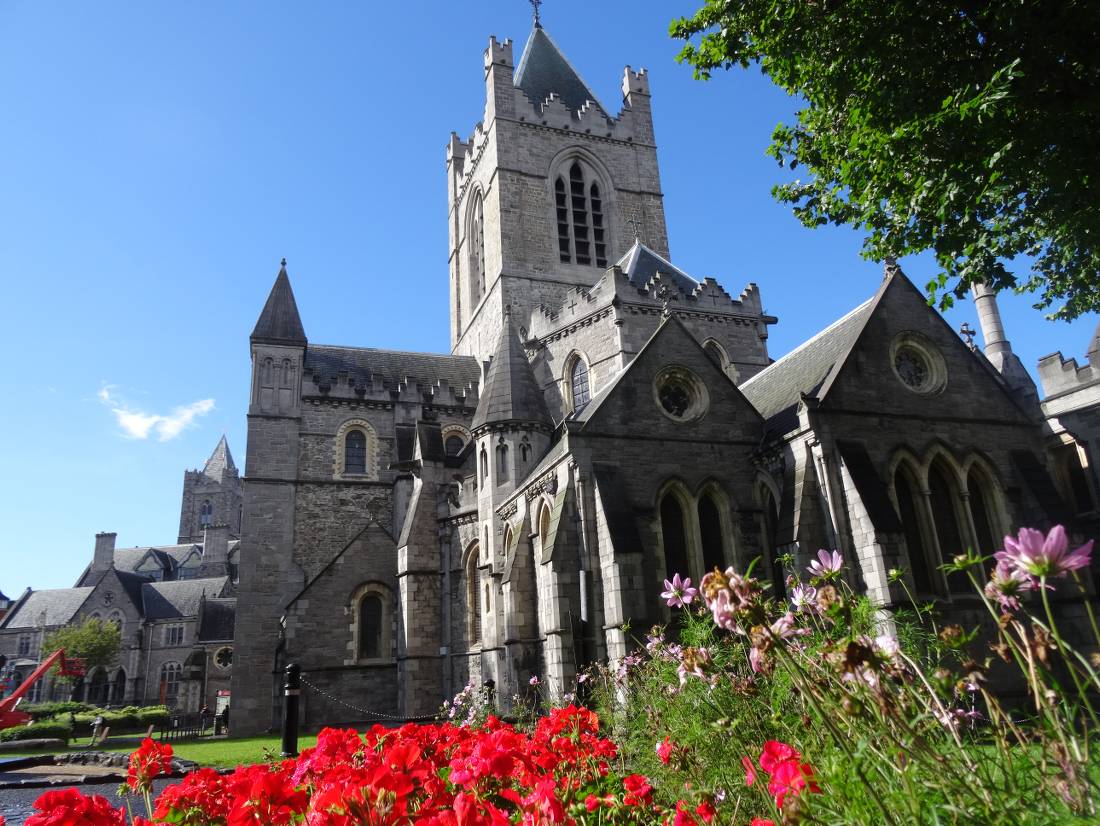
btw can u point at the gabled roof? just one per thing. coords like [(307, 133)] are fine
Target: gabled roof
[(808, 367), (56, 606), (169, 600), (511, 392), (543, 70), (279, 322), (220, 460), (640, 264)]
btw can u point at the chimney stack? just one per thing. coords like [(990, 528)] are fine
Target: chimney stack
[(103, 559), (215, 551)]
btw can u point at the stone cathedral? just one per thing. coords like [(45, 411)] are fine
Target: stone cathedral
[(412, 522)]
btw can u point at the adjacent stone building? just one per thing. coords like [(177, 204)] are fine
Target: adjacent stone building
[(604, 419), (174, 605)]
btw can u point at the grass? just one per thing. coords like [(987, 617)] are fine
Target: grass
[(218, 754)]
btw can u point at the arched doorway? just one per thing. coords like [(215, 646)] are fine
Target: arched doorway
[(98, 688)]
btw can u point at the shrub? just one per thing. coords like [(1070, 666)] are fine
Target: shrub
[(34, 731), (44, 711)]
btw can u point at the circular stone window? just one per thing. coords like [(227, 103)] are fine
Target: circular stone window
[(223, 657), (918, 364), (680, 394)]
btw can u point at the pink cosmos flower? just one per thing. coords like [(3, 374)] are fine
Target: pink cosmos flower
[(804, 598), (678, 592), (1006, 584), (534, 680), (827, 565), (1038, 556)]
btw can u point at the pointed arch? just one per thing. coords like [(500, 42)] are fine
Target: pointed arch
[(582, 202), (371, 608), (576, 382), (944, 498), (985, 500), (907, 492), (475, 240), (767, 498), (674, 507), (712, 507), (473, 593)]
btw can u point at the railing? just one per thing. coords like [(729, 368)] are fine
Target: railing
[(185, 726)]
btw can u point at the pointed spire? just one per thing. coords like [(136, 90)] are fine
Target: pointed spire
[(279, 323), (220, 460), (510, 392), (998, 349), (543, 70)]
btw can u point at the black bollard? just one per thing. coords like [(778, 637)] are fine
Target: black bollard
[(292, 690)]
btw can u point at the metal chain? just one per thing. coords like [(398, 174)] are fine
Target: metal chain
[(366, 711)]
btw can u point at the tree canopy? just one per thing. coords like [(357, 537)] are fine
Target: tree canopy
[(94, 641), (967, 129)]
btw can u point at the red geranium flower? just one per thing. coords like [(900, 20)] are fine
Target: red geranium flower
[(150, 760)]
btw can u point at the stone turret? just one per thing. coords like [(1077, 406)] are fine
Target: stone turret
[(215, 551), (998, 350)]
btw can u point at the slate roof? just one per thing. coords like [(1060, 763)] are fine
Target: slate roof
[(169, 600), (544, 69), (220, 460), (392, 367), (640, 264), (55, 606), (511, 392), (170, 557), (218, 616), (777, 388), (279, 322)]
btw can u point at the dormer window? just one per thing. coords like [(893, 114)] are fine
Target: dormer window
[(582, 233)]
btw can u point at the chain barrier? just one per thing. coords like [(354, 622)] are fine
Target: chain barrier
[(367, 711)]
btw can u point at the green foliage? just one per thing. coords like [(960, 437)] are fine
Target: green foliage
[(969, 131), (892, 711), (94, 641), (124, 720), (50, 729), (44, 711)]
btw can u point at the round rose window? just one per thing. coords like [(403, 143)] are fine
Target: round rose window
[(680, 394)]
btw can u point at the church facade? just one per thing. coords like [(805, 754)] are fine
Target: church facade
[(412, 522)]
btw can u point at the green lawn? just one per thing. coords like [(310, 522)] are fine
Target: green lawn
[(219, 754)]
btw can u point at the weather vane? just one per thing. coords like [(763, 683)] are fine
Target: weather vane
[(535, 5)]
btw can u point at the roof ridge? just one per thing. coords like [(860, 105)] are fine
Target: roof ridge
[(384, 350)]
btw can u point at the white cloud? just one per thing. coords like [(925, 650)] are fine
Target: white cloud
[(137, 424)]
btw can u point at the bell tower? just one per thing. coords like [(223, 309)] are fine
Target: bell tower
[(548, 191)]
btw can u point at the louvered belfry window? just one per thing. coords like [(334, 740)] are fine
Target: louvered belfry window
[(582, 237)]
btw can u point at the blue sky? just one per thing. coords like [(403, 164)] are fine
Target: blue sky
[(158, 159)]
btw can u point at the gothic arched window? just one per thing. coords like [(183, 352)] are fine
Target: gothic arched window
[(674, 536), (502, 463), (477, 249), (710, 532), (943, 499), (578, 383), (582, 234), (206, 513), (484, 464), (473, 597), (355, 452), (370, 627), (524, 450), (909, 508)]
